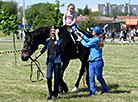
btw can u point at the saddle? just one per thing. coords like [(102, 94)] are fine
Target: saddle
[(72, 33), (73, 37), (86, 33)]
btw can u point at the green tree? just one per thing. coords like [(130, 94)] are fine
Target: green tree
[(115, 12), (84, 11), (30, 15), (54, 17), (11, 6), (91, 21), (39, 19), (45, 13), (79, 12), (1, 3), (8, 25)]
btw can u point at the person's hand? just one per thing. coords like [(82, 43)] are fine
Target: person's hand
[(81, 34), (68, 25), (57, 31), (77, 31), (34, 59), (79, 38)]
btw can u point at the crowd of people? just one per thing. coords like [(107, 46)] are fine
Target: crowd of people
[(123, 34)]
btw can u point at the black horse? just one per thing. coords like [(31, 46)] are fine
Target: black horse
[(35, 38)]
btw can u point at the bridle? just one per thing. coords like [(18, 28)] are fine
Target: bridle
[(38, 71)]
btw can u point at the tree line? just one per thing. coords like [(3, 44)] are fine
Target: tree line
[(45, 14), (41, 14)]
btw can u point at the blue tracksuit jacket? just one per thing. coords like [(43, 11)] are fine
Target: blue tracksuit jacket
[(92, 43), (58, 52)]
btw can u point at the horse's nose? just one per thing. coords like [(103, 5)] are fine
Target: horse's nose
[(24, 56)]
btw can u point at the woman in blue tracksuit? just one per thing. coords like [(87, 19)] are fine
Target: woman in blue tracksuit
[(53, 46), (95, 58)]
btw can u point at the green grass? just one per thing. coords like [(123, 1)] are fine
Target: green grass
[(120, 73)]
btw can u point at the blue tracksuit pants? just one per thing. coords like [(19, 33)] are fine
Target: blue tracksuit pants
[(96, 67), (50, 68)]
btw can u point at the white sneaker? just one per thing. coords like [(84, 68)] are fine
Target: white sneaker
[(74, 89)]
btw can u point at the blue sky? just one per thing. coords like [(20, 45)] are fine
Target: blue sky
[(78, 3)]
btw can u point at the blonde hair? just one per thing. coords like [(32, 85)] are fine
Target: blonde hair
[(100, 43), (71, 4)]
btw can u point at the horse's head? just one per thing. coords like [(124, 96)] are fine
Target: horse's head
[(32, 40), (29, 46)]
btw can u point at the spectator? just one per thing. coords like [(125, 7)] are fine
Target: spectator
[(132, 34), (21, 34), (121, 35)]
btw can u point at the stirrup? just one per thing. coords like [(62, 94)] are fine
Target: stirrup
[(77, 48)]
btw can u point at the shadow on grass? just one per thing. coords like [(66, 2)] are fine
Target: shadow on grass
[(72, 95), (119, 91), (111, 88), (27, 65), (115, 86)]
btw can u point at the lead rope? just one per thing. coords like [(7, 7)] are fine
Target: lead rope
[(38, 71)]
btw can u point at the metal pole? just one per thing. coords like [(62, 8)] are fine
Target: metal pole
[(24, 12), (129, 20), (118, 8), (24, 17)]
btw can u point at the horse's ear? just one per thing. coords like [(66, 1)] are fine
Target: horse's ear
[(27, 31), (24, 31)]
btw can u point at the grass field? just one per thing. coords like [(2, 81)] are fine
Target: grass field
[(120, 73)]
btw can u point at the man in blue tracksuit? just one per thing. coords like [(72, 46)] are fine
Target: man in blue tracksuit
[(53, 46), (95, 58)]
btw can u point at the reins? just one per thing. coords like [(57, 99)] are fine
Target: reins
[(38, 71)]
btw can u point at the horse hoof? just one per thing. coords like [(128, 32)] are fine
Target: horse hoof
[(66, 90), (74, 89), (60, 93)]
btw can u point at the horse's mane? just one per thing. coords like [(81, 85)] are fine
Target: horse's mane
[(86, 33), (40, 31)]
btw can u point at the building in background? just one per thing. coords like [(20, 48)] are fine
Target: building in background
[(133, 21), (108, 8)]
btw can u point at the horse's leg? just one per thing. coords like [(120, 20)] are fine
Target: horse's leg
[(63, 85), (84, 65), (87, 76), (82, 70)]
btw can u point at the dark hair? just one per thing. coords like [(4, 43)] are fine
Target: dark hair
[(54, 27), (100, 43)]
